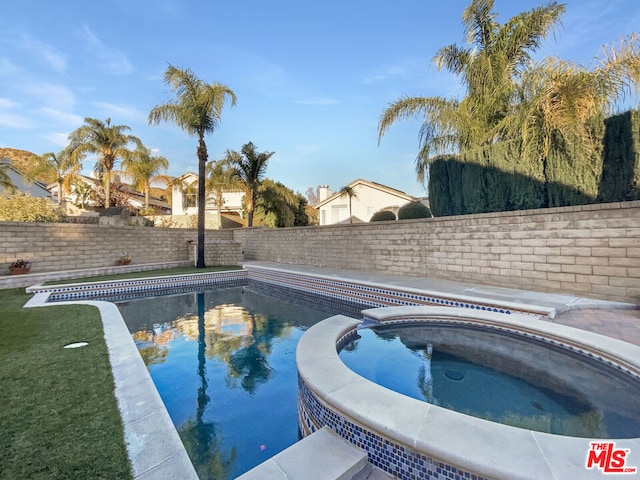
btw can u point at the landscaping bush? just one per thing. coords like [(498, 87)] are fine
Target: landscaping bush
[(383, 216), (414, 210), (21, 207)]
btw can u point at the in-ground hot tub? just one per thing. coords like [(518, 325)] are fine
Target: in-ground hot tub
[(414, 439)]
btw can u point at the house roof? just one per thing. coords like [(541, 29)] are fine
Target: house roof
[(7, 163), (374, 185)]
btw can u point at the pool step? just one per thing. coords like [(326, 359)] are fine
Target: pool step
[(322, 455)]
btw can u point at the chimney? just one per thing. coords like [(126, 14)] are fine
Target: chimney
[(324, 192)]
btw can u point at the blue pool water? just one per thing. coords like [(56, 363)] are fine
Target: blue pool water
[(224, 364), (499, 377)]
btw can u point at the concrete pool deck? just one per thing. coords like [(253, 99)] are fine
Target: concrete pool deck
[(617, 320)]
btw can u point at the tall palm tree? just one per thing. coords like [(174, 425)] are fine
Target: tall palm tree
[(349, 192), (144, 169), (63, 165), (109, 142), (558, 97), (489, 65), (220, 178), (249, 168), (197, 110)]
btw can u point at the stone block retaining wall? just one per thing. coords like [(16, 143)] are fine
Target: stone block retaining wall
[(591, 250)]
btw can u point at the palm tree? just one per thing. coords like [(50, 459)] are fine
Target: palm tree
[(559, 97), (5, 179), (145, 169), (63, 165), (108, 142), (249, 168), (489, 65), (220, 178), (197, 110), (349, 192)]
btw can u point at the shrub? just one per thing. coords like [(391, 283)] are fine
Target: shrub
[(382, 216), (21, 207), (414, 210)]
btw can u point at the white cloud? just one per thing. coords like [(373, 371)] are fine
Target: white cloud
[(121, 111), (45, 52), (15, 121), (62, 117), (113, 60), (51, 96), (6, 103), (59, 139)]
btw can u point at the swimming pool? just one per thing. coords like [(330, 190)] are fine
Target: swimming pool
[(223, 361)]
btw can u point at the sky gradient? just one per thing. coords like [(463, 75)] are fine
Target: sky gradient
[(311, 78)]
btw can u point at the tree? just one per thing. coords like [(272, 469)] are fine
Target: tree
[(197, 109), (562, 98), (489, 65), (349, 192), (145, 169), (249, 168), (5, 179), (64, 166), (220, 178), (279, 206), (414, 210), (84, 192), (383, 216), (108, 142)]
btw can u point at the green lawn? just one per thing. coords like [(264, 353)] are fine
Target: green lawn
[(148, 273), (59, 417)]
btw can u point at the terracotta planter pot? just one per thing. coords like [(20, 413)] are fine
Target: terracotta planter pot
[(18, 270), (124, 262)]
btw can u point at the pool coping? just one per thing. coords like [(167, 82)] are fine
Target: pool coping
[(470, 444)]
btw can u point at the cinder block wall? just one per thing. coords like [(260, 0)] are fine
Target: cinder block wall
[(64, 246), (219, 253), (591, 250)]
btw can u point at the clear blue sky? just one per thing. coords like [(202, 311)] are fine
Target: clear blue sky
[(311, 77)]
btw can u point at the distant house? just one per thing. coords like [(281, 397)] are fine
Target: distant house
[(22, 183), (185, 198), (134, 199), (367, 198)]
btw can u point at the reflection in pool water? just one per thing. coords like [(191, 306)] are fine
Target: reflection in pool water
[(500, 377), (224, 364)]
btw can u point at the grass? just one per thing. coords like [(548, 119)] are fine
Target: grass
[(145, 274), (59, 417)]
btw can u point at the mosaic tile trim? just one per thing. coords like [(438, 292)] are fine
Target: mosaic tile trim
[(396, 459), (373, 296), (557, 342), (122, 287)]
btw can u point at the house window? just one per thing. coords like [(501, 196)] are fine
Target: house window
[(191, 200), (339, 213)]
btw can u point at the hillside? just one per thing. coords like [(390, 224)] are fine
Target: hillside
[(20, 160)]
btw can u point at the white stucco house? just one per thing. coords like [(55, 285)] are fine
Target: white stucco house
[(21, 182), (367, 198), (185, 195)]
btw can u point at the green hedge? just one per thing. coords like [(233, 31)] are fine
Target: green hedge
[(501, 177)]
